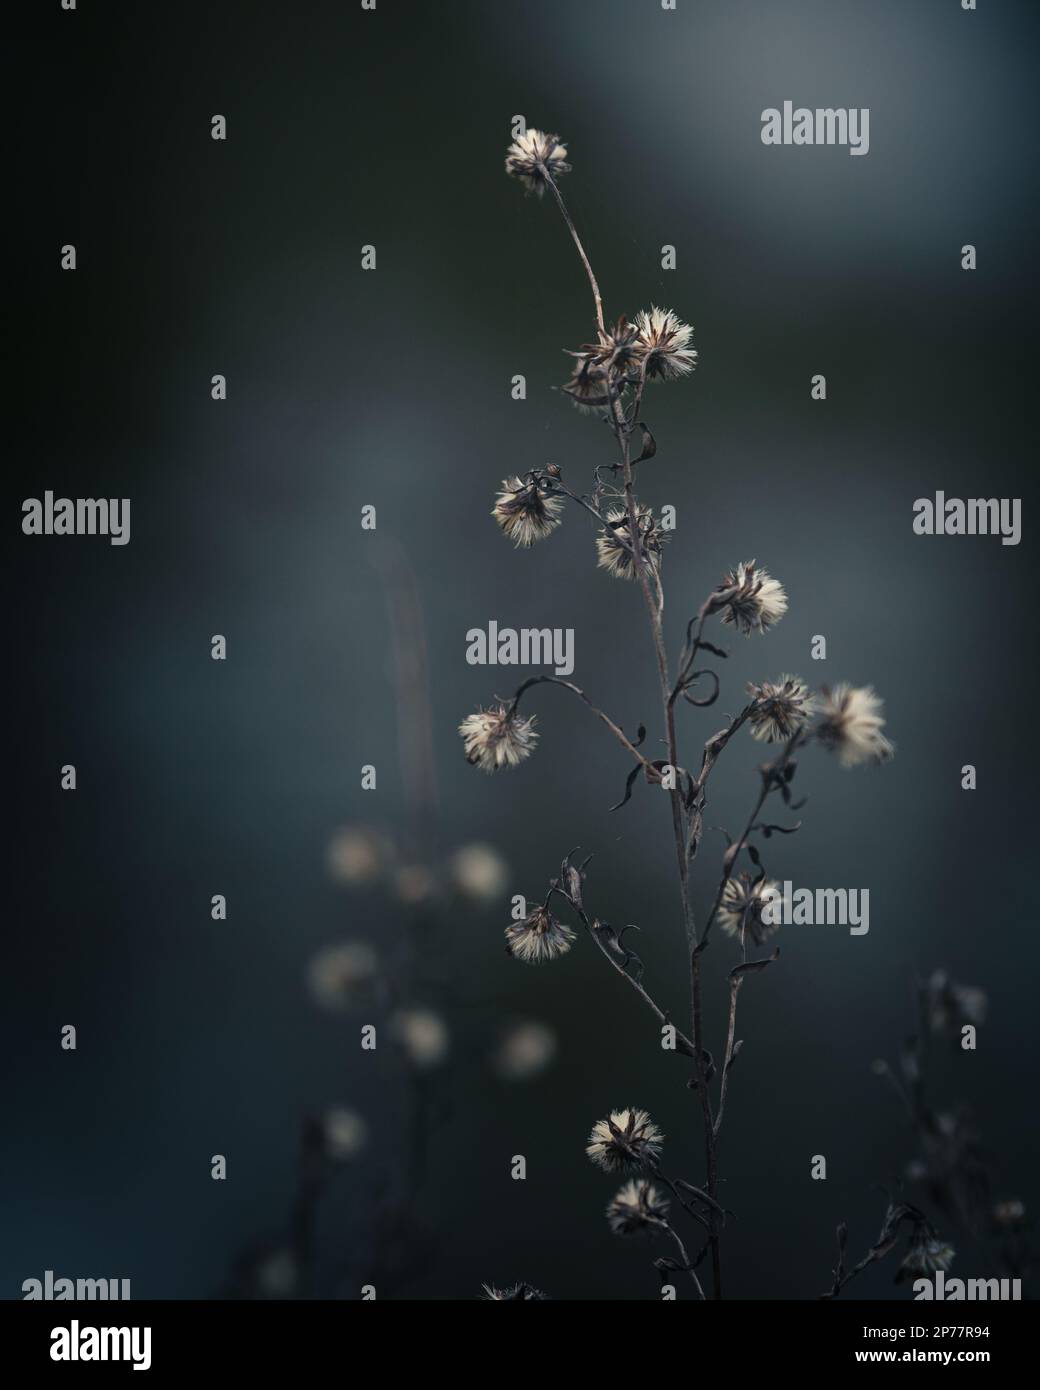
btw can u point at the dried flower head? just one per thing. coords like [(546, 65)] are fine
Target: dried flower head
[(415, 883), (479, 872), (345, 1133), (526, 1050), (587, 386), (1010, 1214), (851, 723), (612, 543), (525, 511), (779, 710), (627, 1140), (343, 974), (533, 155), (636, 1209), (422, 1034), (357, 854), (616, 350), (276, 1273), (515, 1291), (948, 1006), (538, 938), (926, 1254), (750, 599), (497, 738), (741, 909), (665, 343)]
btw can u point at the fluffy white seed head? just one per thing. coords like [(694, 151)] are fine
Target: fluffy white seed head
[(612, 551), (497, 738), (638, 1208), (927, 1254), (512, 1292), (665, 343), (781, 708), (479, 873), (540, 937), (627, 1140), (851, 723), (526, 1050), (422, 1034), (345, 1133), (525, 512), (343, 974), (740, 910), (357, 855), (587, 386), (617, 350), (750, 599), (531, 155)]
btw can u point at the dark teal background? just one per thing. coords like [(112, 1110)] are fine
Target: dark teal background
[(392, 388)]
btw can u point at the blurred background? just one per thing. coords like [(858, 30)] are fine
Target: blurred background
[(392, 388)]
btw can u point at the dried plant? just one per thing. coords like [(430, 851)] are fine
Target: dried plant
[(953, 1171), (925, 1252), (609, 379), (361, 1211)]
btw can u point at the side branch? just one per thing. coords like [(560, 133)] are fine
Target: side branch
[(772, 778), (685, 1044), (615, 729)]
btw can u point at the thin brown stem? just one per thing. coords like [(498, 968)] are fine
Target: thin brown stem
[(577, 242), (655, 607), (654, 610), (592, 511), (619, 966), (684, 1257), (673, 1188), (615, 729), (770, 774), (734, 989), (712, 749)]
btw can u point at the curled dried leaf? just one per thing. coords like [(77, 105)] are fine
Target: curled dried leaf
[(750, 967)]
